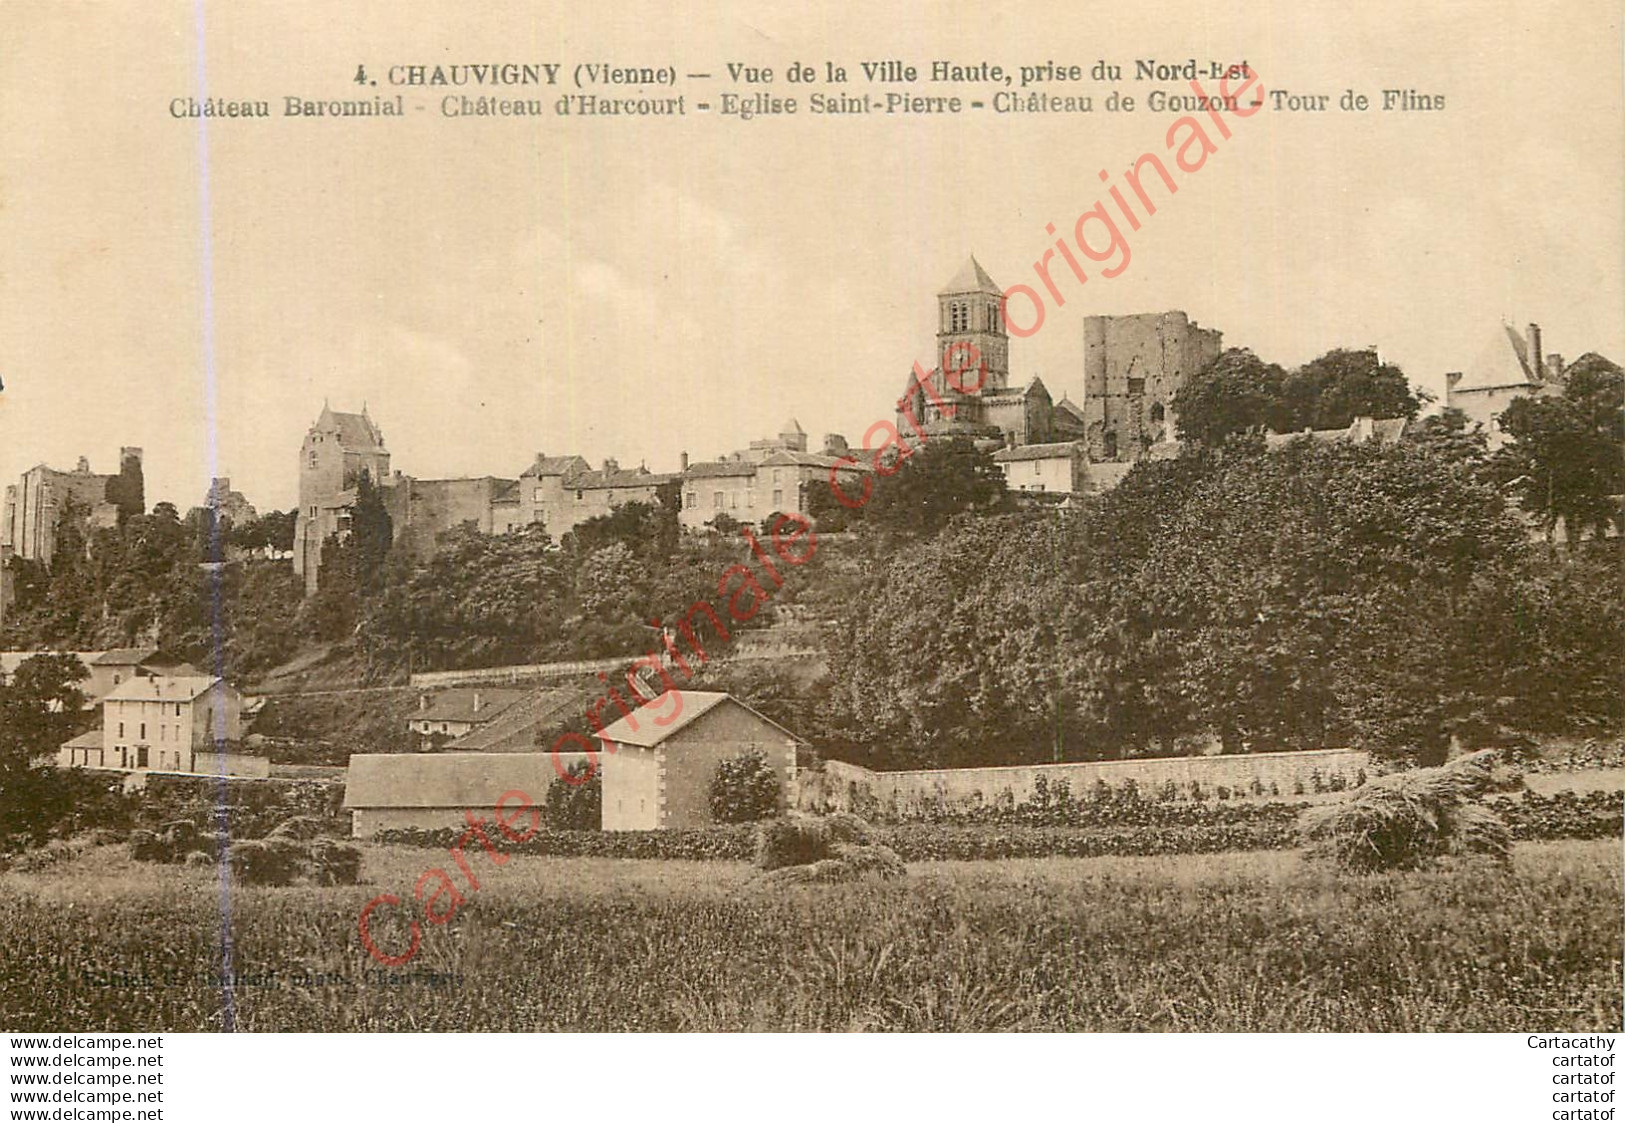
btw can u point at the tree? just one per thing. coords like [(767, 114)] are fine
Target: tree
[(933, 484), (1564, 459), (39, 707), (576, 804), (1237, 393), (1331, 391), (744, 789), (127, 490)]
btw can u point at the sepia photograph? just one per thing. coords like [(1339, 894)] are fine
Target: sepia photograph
[(929, 518)]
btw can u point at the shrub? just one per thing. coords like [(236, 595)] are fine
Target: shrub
[(745, 789), (270, 861), (199, 859), (1170, 791), (576, 804), (303, 828), (1405, 819), (794, 840), (334, 863), (146, 846)]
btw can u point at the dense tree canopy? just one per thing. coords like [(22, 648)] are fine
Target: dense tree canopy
[(1564, 460)]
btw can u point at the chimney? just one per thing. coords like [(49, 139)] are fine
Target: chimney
[(1554, 367), (1451, 379), (683, 461), (83, 467), (611, 466), (1534, 351)]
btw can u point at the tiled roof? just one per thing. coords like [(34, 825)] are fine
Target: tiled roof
[(356, 431), (458, 704), (696, 704), (709, 469), (162, 688), (124, 657), (1064, 449), (636, 477), (555, 466), (788, 458), (515, 729)]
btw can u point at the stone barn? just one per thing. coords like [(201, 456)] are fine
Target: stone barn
[(395, 791), (661, 758)]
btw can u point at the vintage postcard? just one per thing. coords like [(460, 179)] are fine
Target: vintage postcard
[(932, 517)]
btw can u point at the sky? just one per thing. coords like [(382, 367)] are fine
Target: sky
[(640, 288)]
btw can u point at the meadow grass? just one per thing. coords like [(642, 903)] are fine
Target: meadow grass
[(1256, 941)]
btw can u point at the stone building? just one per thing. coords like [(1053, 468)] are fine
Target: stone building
[(33, 507), (1511, 366), (969, 393), (1132, 368), (229, 504), (771, 477), (1061, 468), (338, 449), (659, 761), (169, 724)]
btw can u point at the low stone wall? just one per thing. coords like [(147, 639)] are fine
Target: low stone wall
[(921, 794)]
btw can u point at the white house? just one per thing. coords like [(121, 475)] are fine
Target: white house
[(660, 760), (1061, 468), (168, 724)]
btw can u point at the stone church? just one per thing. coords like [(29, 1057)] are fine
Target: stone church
[(973, 351)]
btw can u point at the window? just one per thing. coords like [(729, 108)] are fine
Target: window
[(777, 476), (163, 733), (692, 499), (143, 731), (778, 499), (1157, 413), (141, 756), (121, 730), (1037, 471), (733, 500), (536, 496), (578, 495), (716, 500), (117, 679), (313, 458), (1136, 387)]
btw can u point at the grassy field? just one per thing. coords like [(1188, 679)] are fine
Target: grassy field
[(1236, 942)]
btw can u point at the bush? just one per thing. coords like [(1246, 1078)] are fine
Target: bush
[(1406, 819), (576, 804), (199, 859), (147, 846), (334, 863), (795, 840), (270, 861), (303, 828), (745, 789)]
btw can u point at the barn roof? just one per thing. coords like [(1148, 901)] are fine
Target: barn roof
[(467, 780), (696, 704)]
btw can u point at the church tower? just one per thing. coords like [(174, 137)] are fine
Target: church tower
[(968, 311), (969, 315)]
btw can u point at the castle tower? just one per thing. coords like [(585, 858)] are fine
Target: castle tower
[(336, 451)]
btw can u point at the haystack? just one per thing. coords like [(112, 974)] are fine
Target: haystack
[(1406, 819)]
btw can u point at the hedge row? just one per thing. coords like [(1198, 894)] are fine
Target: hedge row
[(718, 843), (252, 806), (1260, 827), (1562, 815)]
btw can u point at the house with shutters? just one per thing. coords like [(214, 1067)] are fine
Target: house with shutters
[(168, 723)]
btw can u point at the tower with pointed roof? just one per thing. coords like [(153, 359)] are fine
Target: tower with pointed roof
[(973, 348), (337, 450)]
